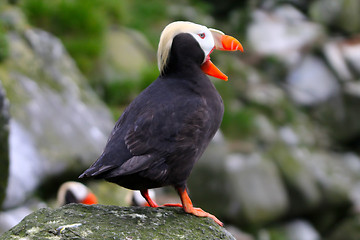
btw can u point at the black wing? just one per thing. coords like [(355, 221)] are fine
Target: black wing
[(155, 141), (155, 133)]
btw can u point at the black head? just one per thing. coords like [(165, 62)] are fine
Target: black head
[(185, 56)]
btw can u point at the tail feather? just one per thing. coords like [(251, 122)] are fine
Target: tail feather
[(96, 170)]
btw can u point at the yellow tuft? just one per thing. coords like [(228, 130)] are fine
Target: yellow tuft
[(167, 36)]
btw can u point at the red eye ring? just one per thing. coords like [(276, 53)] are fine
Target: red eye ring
[(202, 35)]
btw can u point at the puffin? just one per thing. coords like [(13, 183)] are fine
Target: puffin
[(75, 192), (166, 128)]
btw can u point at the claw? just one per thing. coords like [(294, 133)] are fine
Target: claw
[(189, 208), (201, 213)]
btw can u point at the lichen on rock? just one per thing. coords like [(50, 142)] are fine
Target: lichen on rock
[(77, 221)]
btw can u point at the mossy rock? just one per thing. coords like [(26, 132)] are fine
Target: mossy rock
[(77, 221)]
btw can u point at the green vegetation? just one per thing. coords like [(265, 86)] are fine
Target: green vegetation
[(239, 123), (78, 23), (81, 25), (4, 48)]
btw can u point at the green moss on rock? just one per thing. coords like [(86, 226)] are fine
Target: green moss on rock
[(77, 221)]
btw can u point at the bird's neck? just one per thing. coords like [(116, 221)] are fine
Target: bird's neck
[(184, 68)]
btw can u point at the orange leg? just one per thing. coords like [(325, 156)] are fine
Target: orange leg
[(145, 194), (186, 205), (189, 208)]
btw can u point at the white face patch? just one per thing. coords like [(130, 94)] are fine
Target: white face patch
[(201, 34), (205, 39)]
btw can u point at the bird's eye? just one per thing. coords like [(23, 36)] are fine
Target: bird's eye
[(202, 35)]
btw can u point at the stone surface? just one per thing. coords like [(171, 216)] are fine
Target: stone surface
[(301, 230), (342, 14), (258, 193), (215, 195), (58, 123), (311, 82), (76, 221), (343, 56), (300, 182), (294, 230), (238, 188), (282, 33), (4, 146)]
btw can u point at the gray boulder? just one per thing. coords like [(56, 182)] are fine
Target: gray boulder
[(238, 188), (77, 221), (259, 195), (342, 14), (58, 125), (283, 33), (311, 82)]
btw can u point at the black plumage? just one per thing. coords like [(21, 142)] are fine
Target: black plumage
[(165, 130)]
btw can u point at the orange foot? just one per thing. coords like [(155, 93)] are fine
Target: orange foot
[(195, 211), (201, 213), (186, 205), (189, 208)]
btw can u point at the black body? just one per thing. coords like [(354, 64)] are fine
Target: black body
[(165, 130)]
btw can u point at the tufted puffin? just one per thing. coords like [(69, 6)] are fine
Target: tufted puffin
[(75, 192), (166, 128)]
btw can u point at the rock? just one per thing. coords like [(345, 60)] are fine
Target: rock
[(294, 230), (60, 125), (13, 18), (215, 195), (288, 135), (342, 14), (111, 222), (282, 33), (26, 168), (265, 94), (237, 188), (325, 11), (266, 130), (258, 193), (4, 146), (334, 174), (301, 230), (341, 112), (343, 56), (351, 51), (335, 58), (300, 183), (311, 82)]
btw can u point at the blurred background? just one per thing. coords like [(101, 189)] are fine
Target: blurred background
[(286, 162)]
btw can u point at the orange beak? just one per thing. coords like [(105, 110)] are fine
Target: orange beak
[(90, 199), (222, 42)]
